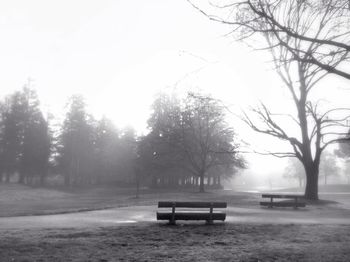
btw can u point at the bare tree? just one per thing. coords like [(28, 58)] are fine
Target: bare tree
[(207, 141), (301, 36), (324, 24)]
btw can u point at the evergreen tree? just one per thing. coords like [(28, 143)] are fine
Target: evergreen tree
[(12, 133), (75, 145), (106, 151), (2, 164), (36, 144), (24, 137), (127, 156)]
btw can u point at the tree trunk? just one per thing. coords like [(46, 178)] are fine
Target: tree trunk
[(154, 181), (42, 180), (44, 174), (137, 186), (8, 175), (29, 180), (311, 188), (67, 180), (201, 182), (21, 178)]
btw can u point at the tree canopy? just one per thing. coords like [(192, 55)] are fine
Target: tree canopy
[(189, 140)]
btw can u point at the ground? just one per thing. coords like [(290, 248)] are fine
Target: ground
[(129, 232), (158, 242)]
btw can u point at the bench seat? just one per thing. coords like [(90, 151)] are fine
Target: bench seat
[(191, 216), (283, 204), (292, 200), (282, 196), (193, 204)]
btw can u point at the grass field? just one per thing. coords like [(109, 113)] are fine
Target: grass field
[(190, 242), (18, 200), (153, 241)]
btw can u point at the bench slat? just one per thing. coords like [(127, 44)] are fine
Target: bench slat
[(281, 196), (193, 204), (191, 216), (283, 204)]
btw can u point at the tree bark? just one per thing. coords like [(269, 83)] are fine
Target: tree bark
[(311, 188)]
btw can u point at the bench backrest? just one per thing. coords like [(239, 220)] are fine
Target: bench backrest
[(282, 195), (192, 204)]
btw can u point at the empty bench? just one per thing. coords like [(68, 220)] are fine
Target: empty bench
[(295, 200), (190, 212)]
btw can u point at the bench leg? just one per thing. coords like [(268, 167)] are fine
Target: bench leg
[(296, 203), (209, 222), (172, 222), (271, 203)]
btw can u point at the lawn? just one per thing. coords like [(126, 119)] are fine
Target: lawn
[(250, 233), (189, 242), (19, 200)]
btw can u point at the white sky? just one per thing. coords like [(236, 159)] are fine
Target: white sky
[(120, 53)]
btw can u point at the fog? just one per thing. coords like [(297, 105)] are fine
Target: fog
[(120, 62)]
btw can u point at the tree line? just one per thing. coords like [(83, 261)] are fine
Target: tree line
[(189, 144), (82, 150)]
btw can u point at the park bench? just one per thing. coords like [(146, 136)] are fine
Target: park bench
[(189, 213), (296, 200)]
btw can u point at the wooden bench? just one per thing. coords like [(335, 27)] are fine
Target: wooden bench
[(296, 200), (174, 215)]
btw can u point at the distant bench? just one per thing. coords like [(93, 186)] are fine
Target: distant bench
[(297, 200), (174, 215)]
